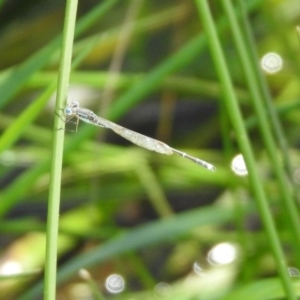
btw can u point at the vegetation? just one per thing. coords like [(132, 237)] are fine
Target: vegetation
[(188, 73)]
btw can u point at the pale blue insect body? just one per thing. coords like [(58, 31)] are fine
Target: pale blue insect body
[(86, 115)]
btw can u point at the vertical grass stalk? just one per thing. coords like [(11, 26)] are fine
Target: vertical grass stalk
[(235, 116), (263, 114), (57, 154)]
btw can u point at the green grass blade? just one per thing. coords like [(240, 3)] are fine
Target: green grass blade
[(57, 154), (244, 143), (150, 234), (19, 75), (16, 129), (263, 121)]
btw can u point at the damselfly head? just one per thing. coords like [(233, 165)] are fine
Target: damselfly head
[(70, 108), (68, 111)]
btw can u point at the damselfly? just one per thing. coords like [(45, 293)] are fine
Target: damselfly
[(74, 111)]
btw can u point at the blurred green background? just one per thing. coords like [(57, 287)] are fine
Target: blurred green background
[(168, 228)]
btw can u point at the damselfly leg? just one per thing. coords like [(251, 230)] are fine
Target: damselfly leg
[(68, 120)]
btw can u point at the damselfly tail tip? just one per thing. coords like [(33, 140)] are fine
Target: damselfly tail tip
[(211, 167), (206, 165)]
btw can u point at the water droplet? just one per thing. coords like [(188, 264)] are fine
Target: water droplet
[(10, 267), (222, 254), (115, 283), (197, 269), (271, 63), (162, 289), (238, 165)]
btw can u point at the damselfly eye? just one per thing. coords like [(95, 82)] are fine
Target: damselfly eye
[(68, 111)]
